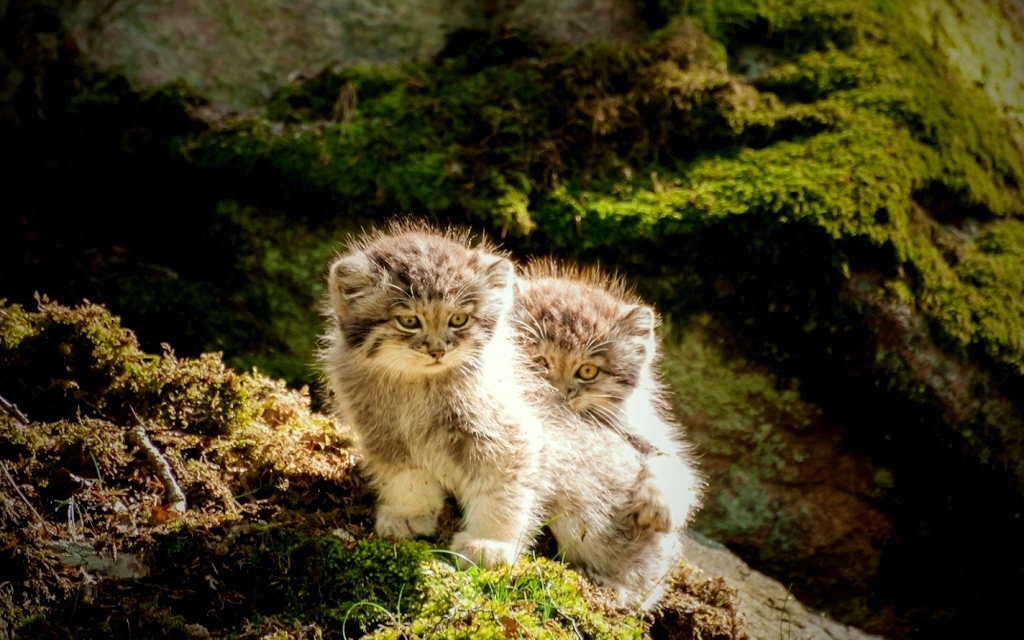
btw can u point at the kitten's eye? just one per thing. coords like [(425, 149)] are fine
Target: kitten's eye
[(408, 321), (542, 361), (459, 320), (587, 372)]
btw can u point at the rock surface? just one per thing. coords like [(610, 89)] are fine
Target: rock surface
[(994, 62), (785, 488), (768, 608), (238, 52)]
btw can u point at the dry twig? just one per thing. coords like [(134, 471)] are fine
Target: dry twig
[(13, 409), (140, 439), (14, 484)]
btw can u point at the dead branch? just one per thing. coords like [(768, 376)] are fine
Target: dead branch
[(140, 439), (14, 484), (13, 409)]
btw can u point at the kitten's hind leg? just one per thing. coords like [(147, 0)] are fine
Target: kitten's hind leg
[(410, 501)]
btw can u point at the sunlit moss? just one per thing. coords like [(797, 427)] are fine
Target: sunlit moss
[(537, 598), (801, 115)]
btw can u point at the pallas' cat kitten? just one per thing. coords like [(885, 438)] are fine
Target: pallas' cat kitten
[(422, 363), (595, 341)]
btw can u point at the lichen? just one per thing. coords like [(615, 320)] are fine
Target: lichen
[(734, 410), (784, 490)]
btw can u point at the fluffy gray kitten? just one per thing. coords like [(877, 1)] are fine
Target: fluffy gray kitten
[(424, 363), (595, 342)]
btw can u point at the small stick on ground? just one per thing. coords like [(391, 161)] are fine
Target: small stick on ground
[(14, 484), (13, 409), (140, 439)]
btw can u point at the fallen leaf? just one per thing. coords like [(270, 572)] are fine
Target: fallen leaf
[(159, 515), (509, 626)]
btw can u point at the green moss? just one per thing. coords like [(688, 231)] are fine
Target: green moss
[(425, 138), (730, 391), (803, 116), (335, 582), (65, 360), (792, 26), (278, 273), (992, 271), (537, 598), (62, 361), (305, 577), (301, 574), (316, 573)]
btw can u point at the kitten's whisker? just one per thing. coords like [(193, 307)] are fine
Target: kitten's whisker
[(609, 414), (541, 327), (399, 290), (530, 329), (462, 290)]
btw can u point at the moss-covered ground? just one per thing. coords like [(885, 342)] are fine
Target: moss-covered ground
[(276, 540)]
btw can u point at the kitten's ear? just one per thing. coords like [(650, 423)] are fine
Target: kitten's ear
[(639, 320), (350, 278), (500, 273)]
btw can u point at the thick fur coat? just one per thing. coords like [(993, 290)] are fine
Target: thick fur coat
[(427, 366)]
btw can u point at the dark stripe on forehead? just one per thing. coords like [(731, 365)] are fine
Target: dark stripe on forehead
[(430, 272), (357, 329)]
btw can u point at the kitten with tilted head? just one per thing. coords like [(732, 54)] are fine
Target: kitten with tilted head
[(594, 341), (422, 364)]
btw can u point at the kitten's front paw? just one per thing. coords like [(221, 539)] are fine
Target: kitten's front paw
[(651, 511), (397, 525), (480, 551)]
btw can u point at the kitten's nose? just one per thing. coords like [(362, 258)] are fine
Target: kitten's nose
[(436, 353), (572, 392)]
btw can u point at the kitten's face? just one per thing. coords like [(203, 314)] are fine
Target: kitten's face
[(591, 346), (419, 303)]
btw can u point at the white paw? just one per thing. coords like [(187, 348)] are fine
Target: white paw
[(651, 511), (398, 525), (480, 551)]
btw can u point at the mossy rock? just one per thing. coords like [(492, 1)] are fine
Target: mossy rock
[(811, 123)]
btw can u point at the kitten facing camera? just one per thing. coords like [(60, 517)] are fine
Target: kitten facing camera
[(421, 362), (595, 342)]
